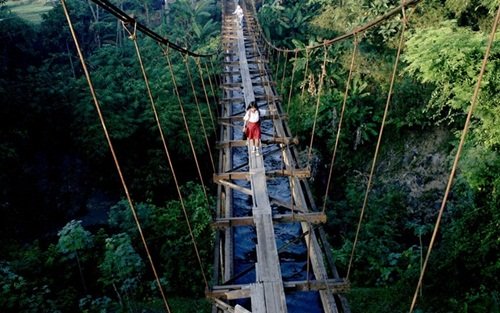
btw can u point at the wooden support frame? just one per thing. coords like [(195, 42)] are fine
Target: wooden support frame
[(235, 187), (231, 292), (303, 173), (313, 218), (242, 143), (263, 117), (257, 98)]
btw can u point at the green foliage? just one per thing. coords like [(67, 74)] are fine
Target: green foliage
[(333, 19), (286, 23), (377, 300), (473, 13), (101, 305), (194, 22), (19, 295), (122, 266), (167, 225), (74, 238), (449, 57), (30, 11)]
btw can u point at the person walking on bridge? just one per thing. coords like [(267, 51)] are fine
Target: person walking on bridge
[(251, 126), (239, 15)]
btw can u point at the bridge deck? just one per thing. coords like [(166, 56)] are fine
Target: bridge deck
[(244, 81)]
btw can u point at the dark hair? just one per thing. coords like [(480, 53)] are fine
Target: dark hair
[(252, 105)]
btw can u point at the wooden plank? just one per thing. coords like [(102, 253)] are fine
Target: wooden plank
[(223, 306), (314, 218), (267, 141), (238, 294), (235, 187), (239, 309), (231, 176), (257, 97), (336, 286), (263, 117), (287, 205), (304, 173), (258, 303)]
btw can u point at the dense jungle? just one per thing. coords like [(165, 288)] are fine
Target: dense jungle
[(68, 241)]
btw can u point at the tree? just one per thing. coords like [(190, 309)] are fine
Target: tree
[(73, 239), (122, 266)]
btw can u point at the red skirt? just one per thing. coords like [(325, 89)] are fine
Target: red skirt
[(253, 130)]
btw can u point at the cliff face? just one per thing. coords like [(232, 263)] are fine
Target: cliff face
[(419, 165)]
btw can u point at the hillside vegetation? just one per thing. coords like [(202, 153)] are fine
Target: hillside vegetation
[(68, 242)]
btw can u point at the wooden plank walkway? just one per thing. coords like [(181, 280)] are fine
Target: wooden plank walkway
[(245, 69)]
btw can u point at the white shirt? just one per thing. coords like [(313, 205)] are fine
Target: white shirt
[(238, 11), (253, 116)]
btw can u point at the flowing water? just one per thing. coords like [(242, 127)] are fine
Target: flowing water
[(291, 245)]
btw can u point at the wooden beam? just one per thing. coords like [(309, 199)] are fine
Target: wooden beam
[(235, 187), (263, 117), (231, 176), (223, 306), (314, 218), (257, 97), (242, 143), (288, 206), (235, 63), (299, 173), (334, 285)]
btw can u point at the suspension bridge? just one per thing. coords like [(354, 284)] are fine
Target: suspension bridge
[(271, 253)]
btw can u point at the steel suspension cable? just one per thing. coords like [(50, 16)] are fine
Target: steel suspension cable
[(200, 71), (379, 140), (457, 155), (291, 83), (318, 101), (188, 70), (181, 106), (164, 142), (113, 154), (348, 83)]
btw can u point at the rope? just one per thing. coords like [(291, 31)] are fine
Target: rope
[(199, 113), (291, 83), (277, 63), (167, 55), (340, 121), (371, 24), (212, 87), (200, 71), (309, 236), (153, 107), (263, 73), (457, 155), (321, 79), (284, 73), (115, 159), (305, 74), (393, 77), (127, 19)]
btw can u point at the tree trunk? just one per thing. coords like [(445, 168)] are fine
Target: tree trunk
[(70, 60), (81, 272), (118, 295), (146, 9)]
